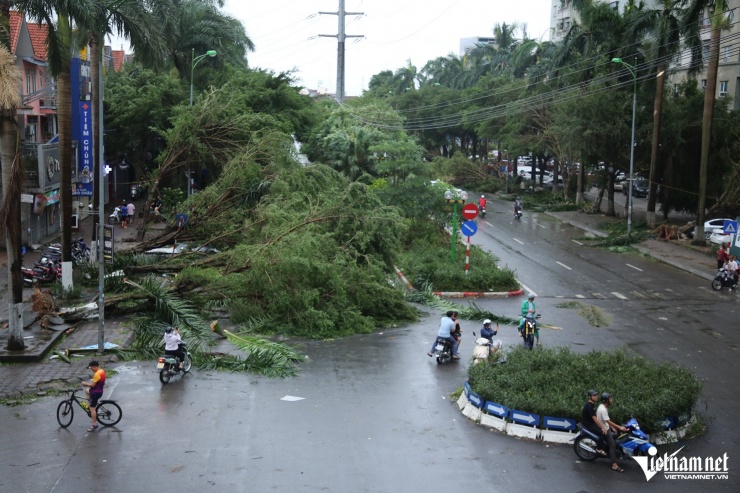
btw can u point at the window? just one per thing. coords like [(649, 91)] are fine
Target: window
[(705, 51), (614, 6), (725, 53), (723, 88), (703, 84), (30, 81)]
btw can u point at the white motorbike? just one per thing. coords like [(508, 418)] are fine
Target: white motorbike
[(115, 217)]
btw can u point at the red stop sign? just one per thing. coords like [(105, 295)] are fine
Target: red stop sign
[(470, 211)]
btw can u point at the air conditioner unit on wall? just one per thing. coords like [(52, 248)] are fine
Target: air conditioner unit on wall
[(30, 131)]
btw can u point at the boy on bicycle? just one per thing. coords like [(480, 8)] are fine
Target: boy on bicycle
[(95, 392)]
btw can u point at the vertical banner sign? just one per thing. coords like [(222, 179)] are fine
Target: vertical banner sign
[(108, 244), (85, 167)]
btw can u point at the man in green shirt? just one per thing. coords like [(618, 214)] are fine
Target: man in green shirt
[(528, 309)]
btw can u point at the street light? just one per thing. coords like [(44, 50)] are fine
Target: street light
[(193, 62), (633, 70), (456, 197)]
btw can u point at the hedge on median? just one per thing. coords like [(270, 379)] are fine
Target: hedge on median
[(554, 381)]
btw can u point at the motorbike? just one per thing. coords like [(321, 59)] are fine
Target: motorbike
[(487, 348), (169, 365), (115, 217), (443, 350), (633, 442), (517, 212), (481, 211), (527, 332), (723, 280)]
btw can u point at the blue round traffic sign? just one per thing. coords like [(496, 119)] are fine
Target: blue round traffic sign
[(469, 228)]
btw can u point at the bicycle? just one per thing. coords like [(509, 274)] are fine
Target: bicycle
[(109, 413)]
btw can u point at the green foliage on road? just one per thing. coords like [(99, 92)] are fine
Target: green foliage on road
[(554, 381)]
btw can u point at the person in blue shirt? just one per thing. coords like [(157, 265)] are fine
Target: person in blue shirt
[(488, 332), (446, 326)]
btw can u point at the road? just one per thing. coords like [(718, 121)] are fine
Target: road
[(374, 413)]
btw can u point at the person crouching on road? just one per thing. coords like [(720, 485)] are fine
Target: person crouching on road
[(446, 326), (95, 391)]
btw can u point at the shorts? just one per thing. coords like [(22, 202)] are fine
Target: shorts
[(94, 399)]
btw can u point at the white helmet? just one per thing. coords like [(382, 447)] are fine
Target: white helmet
[(483, 196), (531, 296), (486, 322)]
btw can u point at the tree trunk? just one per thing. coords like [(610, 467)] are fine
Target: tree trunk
[(11, 199), (657, 111), (706, 127)]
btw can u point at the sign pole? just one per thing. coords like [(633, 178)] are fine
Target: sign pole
[(467, 257)]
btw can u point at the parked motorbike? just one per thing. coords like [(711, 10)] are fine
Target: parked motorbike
[(633, 442), (527, 332), (723, 280), (169, 366), (443, 350), (487, 348)]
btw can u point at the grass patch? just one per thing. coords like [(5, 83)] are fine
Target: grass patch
[(593, 314), (554, 381)]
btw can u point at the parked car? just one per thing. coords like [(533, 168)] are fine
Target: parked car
[(639, 188), (718, 237), (548, 183), (709, 227)]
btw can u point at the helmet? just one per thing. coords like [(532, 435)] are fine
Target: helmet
[(530, 296), (592, 393), (486, 322), (605, 397), (168, 330), (483, 196)]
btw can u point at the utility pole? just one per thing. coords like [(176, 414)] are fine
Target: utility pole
[(341, 36)]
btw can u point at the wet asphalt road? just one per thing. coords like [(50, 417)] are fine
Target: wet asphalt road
[(375, 414)]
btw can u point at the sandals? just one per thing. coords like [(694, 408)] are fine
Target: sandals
[(93, 428), (617, 469), (430, 354), (456, 357)]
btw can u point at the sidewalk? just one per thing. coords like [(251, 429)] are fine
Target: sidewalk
[(36, 378)]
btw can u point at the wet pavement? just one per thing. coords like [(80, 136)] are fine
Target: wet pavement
[(31, 378)]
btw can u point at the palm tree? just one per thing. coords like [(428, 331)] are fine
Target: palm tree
[(406, 78), (660, 25), (12, 177), (61, 17), (691, 25)]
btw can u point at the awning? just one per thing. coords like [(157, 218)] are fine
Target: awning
[(30, 59)]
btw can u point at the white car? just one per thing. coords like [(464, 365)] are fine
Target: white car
[(718, 237), (710, 226)]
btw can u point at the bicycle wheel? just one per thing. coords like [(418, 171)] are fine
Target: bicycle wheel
[(109, 413), (65, 413)]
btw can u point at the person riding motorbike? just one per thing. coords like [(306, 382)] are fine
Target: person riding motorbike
[(446, 326), (172, 346), (487, 332), (529, 310), (482, 204), (518, 207), (602, 416)]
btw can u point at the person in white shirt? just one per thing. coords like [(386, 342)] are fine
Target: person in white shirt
[(172, 342), (610, 428)]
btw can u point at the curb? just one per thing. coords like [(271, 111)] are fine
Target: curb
[(472, 407), (477, 294), (462, 294)]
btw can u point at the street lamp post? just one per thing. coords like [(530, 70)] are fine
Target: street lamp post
[(193, 62), (455, 198), (633, 70)]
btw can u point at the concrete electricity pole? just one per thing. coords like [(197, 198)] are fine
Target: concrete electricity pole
[(341, 36)]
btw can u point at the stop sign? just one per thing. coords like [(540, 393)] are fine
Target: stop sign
[(470, 211)]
